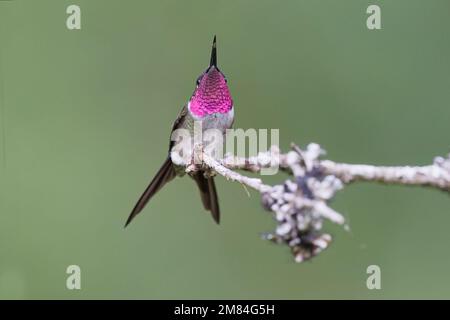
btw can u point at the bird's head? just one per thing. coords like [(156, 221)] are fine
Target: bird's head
[(211, 93)]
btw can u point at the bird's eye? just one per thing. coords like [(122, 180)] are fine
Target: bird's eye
[(198, 80)]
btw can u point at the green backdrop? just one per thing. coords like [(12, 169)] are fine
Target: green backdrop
[(85, 119)]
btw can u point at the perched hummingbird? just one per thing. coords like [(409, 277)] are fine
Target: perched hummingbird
[(212, 105)]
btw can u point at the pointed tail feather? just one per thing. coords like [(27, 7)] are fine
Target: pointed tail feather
[(208, 194), (164, 175), (215, 211)]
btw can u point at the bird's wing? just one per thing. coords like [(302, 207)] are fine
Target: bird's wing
[(164, 175), (176, 124)]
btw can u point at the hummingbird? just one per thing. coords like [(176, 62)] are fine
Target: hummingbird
[(211, 104)]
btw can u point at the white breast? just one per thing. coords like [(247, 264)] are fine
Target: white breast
[(221, 121)]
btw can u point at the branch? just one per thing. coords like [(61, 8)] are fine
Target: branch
[(300, 205), (436, 175)]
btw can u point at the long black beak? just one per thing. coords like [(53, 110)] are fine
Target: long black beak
[(213, 54)]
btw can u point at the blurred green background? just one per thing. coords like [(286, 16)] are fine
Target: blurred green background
[(85, 120)]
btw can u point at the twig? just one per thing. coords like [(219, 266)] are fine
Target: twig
[(300, 205)]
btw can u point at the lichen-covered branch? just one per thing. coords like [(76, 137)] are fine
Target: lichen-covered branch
[(217, 167), (301, 204), (436, 175)]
